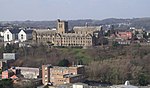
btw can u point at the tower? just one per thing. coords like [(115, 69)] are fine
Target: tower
[(62, 26)]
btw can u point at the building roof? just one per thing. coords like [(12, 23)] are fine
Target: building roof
[(14, 31), (71, 75), (123, 86), (28, 31), (14, 77), (75, 35), (87, 28), (27, 69), (72, 35), (9, 71), (80, 84), (45, 31), (126, 85)]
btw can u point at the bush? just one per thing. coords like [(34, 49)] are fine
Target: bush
[(6, 83), (143, 79)]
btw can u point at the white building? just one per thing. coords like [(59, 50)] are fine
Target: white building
[(25, 35), (11, 35), (30, 73), (126, 85), (2, 33), (9, 56), (80, 85)]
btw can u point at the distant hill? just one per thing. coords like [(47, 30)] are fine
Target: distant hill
[(135, 22)]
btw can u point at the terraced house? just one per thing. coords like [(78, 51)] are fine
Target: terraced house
[(80, 36)]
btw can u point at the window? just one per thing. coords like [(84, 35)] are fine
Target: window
[(21, 36), (45, 75), (60, 25), (8, 37)]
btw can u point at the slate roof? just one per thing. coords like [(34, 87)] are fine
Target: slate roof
[(28, 31), (14, 31)]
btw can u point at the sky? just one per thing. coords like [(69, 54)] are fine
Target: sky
[(39, 10)]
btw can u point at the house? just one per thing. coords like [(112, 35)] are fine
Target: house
[(124, 35), (7, 74), (11, 35), (1, 33), (10, 73), (139, 36), (25, 35)]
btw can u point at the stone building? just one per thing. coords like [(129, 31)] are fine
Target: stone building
[(30, 73), (81, 36), (61, 75), (43, 36)]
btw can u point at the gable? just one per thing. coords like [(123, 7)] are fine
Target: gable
[(7, 32), (26, 32), (22, 32), (14, 31)]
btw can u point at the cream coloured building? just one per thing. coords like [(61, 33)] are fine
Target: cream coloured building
[(81, 36)]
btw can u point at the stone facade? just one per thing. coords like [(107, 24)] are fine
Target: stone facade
[(81, 36), (30, 73)]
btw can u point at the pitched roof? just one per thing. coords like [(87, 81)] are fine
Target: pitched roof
[(14, 77), (14, 31), (87, 28), (28, 31)]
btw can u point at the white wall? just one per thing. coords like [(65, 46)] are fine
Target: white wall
[(11, 37), (24, 36), (1, 33), (9, 56), (27, 72)]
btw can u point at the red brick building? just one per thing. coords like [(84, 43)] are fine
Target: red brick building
[(62, 75), (124, 35), (7, 74), (10, 73)]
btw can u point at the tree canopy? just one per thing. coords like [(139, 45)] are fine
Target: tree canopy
[(64, 63)]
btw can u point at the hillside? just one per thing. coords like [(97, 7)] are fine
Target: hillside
[(135, 22), (106, 64)]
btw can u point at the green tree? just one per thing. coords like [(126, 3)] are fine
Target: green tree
[(115, 44), (9, 48), (143, 79), (6, 83), (64, 63)]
